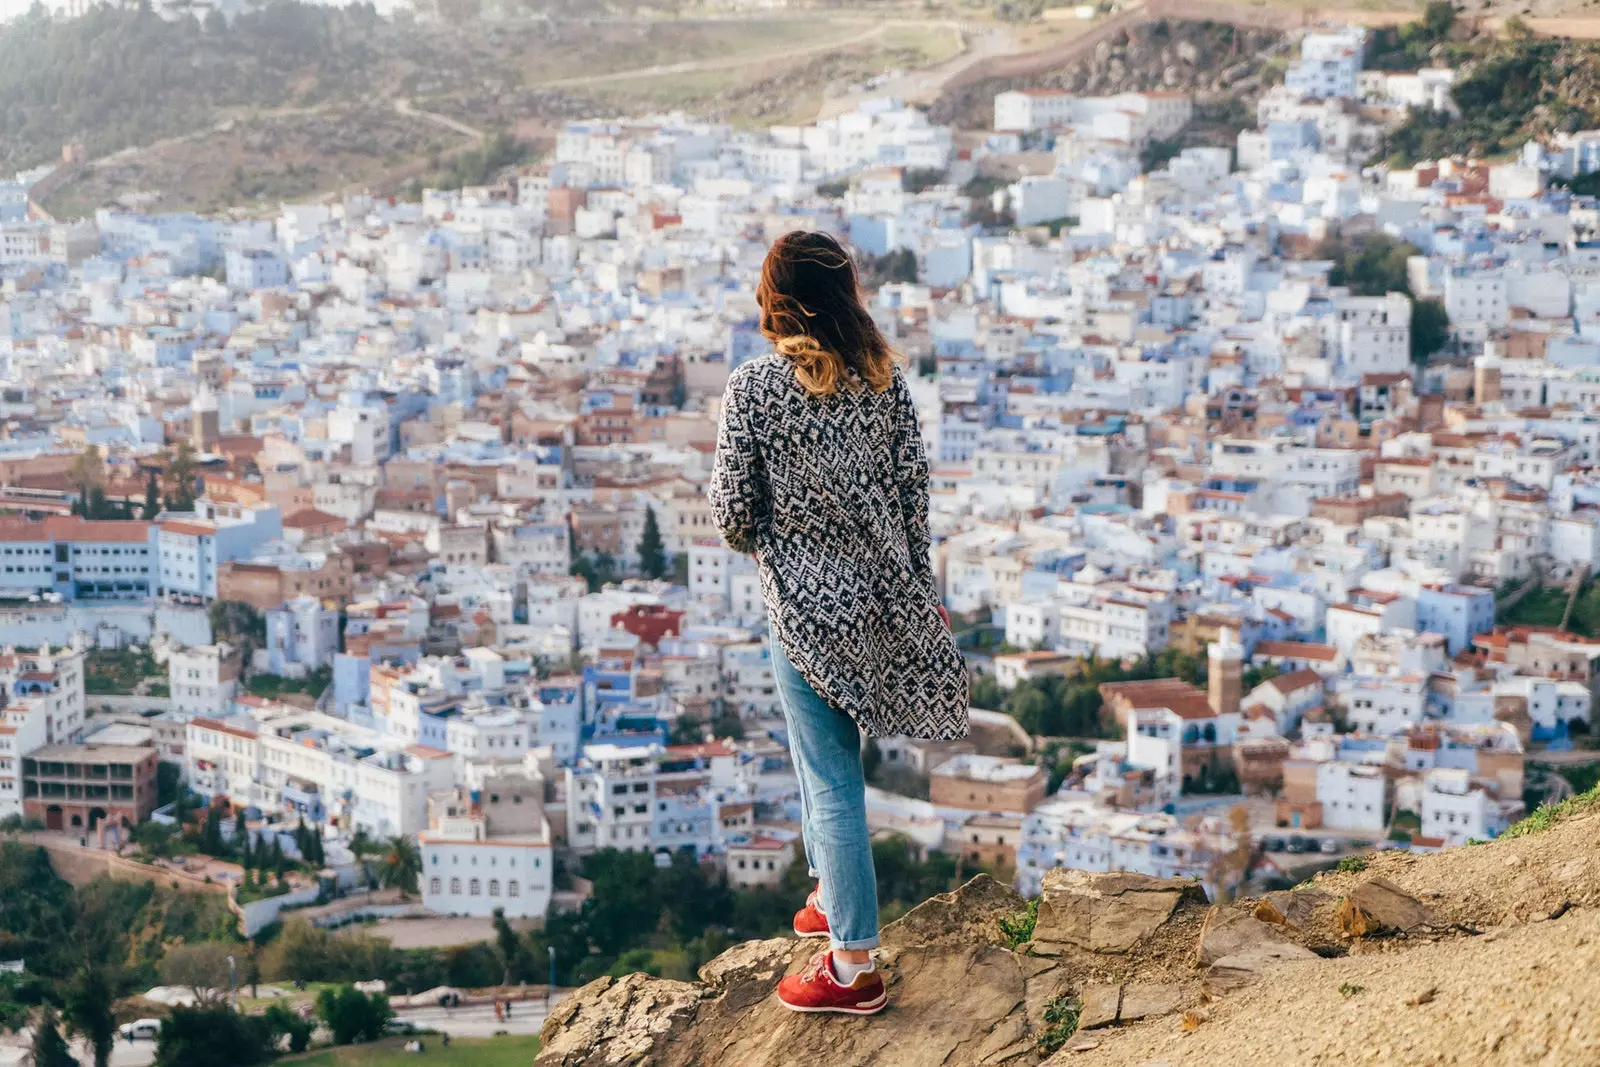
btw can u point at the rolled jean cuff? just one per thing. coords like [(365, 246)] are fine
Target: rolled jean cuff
[(858, 945), (813, 872)]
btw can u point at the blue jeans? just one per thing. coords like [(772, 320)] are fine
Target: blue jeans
[(825, 747)]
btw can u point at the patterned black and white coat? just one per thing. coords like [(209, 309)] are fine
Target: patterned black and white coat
[(831, 495)]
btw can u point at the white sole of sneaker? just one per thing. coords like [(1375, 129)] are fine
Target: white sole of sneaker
[(814, 933), (871, 1007)]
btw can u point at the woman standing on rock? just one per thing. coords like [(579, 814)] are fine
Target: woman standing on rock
[(820, 473)]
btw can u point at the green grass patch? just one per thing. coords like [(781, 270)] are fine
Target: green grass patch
[(272, 686), (116, 671), (1547, 815), (1352, 865), (1060, 1022), (510, 1051), (1019, 927), (1541, 607), (1350, 989)]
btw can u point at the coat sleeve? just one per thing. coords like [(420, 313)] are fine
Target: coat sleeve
[(911, 479), (738, 492)]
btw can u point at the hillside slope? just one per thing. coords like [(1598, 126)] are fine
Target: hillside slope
[(1476, 955)]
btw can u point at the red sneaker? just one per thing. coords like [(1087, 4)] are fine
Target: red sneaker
[(817, 990), (809, 921)]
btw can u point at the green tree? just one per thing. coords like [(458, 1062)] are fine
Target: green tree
[(213, 1035), (88, 469), (1374, 267), (152, 497), (1430, 329), (282, 1022), (202, 968), (211, 840), (401, 864), (352, 1015), (987, 694), (180, 478), (652, 554), (1437, 18), (1256, 675), (516, 957), (89, 1008), (728, 725), (49, 1048), (507, 942)]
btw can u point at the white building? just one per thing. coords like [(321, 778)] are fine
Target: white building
[(1456, 811), (488, 847), (1329, 64), (44, 706), (1028, 110), (1353, 797), (203, 680)]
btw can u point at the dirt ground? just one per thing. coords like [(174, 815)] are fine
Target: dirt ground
[(434, 932), (1510, 979)]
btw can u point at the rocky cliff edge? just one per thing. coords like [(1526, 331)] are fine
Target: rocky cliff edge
[(1479, 955)]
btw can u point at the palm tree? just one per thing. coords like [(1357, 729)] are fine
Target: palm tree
[(400, 864)]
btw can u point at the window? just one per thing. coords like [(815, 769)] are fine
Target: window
[(512, 889), (494, 887), (473, 888), (455, 885), (433, 886)]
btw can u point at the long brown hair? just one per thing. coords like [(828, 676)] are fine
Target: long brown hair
[(812, 313)]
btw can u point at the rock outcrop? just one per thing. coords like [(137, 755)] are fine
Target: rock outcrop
[(1125, 969), (961, 996)]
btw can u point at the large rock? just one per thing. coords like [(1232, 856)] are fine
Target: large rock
[(1145, 1000), (1228, 932), (1246, 967), (1107, 913), (1291, 907), (958, 997), (1100, 1003), (1381, 907), (619, 1021), (969, 915)]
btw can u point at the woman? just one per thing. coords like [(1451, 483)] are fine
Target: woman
[(820, 473)]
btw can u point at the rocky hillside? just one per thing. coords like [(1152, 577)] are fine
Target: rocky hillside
[(1476, 955), (1216, 61)]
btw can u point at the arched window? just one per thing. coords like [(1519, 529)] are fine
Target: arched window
[(433, 885), (473, 888), (455, 885), (512, 890), (494, 887)]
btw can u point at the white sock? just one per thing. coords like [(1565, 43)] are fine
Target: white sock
[(846, 973)]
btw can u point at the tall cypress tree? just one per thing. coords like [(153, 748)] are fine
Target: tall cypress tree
[(152, 497), (49, 1048), (652, 554)]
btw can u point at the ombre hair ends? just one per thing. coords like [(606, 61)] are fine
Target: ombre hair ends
[(811, 311)]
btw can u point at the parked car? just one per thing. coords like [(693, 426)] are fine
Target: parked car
[(1329, 846), (1297, 844), (399, 1026), (1273, 844), (140, 1029)]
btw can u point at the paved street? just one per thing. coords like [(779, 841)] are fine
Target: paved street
[(138, 1054), (477, 1020)]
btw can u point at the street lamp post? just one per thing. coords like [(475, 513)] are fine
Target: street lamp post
[(233, 981), (550, 990)]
